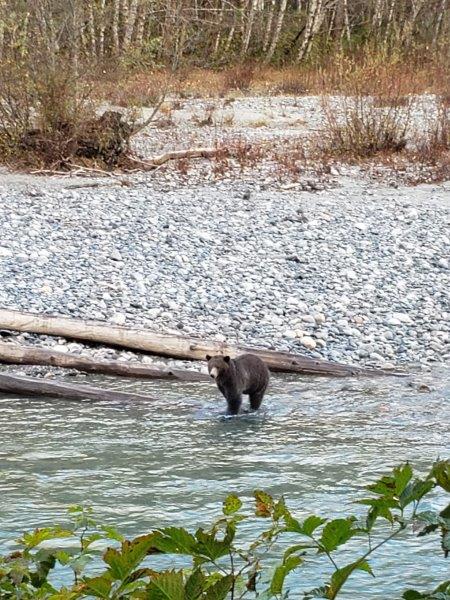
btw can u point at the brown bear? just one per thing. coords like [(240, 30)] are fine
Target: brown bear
[(246, 374)]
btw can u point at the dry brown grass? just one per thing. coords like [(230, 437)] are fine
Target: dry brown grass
[(143, 89), (374, 74), (238, 78)]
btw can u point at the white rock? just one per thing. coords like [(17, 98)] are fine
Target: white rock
[(308, 342), (402, 317), (411, 213), (308, 319), (118, 319), (61, 348), (289, 334)]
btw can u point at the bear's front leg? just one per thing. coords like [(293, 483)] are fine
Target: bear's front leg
[(234, 404)]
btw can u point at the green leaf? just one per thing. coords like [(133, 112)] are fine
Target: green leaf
[(209, 546), (402, 476), (441, 473), (390, 486), (264, 504), (412, 595), (430, 520), (45, 562), (320, 592), (442, 587), (298, 548), (219, 590), (195, 585), (99, 587), (337, 532), (175, 540), (63, 557), (309, 525), (90, 539), (167, 585), (279, 509), (380, 507), (79, 563), (445, 513), (445, 542), (122, 563), (414, 492), (36, 537), (112, 534), (340, 576), (75, 508), (291, 563), (231, 504)]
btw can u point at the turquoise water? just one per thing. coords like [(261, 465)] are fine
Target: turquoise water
[(173, 460)]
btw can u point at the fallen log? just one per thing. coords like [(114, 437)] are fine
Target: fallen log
[(28, 355), (13, 384), (157, 161), (171, 345)]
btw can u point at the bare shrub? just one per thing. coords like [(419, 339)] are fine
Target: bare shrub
[(290, 160), (246, 154), (432, 147), (238, 78), (48, 119), (382, 101), (142, 90), (436, 140), (355, 127), (291, 86), (206, 118)]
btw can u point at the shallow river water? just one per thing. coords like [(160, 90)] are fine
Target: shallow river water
[(318, 442)]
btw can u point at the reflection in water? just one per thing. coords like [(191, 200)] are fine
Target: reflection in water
[(317, 441)]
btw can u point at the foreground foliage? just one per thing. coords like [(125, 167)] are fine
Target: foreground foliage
[(216, 566)]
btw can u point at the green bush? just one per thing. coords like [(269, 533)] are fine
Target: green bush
[(218, 567)]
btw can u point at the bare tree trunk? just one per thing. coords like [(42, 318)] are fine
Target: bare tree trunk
[(439, 20), (346, 20), (249, 26), (169, 345), (101, 29), (313, 23), (268, 29), (230, 38), (124, 13), (390, 20), (129, 24), (25, 386), (2, 28), (13, 354), (91, 28), (115, 26), (75, 35), (276, 33), (377, 17), (219, 29), (139, 26)]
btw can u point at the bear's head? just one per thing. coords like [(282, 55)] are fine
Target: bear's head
[(218, 365)]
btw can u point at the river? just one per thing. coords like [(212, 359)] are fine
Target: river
[(318, 442)]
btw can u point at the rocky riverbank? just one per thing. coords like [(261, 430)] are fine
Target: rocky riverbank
[(357, 273)]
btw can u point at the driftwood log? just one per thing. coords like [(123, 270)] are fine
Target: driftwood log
[(13, 384), (170, 345), (28, 355)]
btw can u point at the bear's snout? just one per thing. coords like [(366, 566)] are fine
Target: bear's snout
[(214, 372)]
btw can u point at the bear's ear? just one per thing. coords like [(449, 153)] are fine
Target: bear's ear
[(226, 359), (208, 357)]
